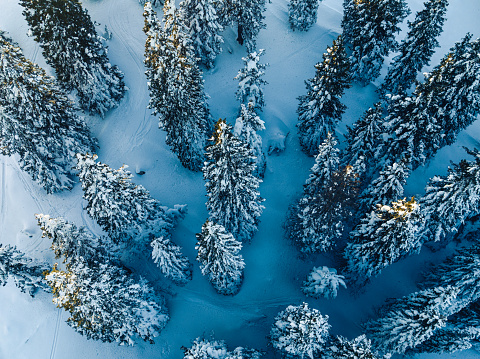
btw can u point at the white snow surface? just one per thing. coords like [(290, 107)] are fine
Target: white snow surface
[(35, 328)]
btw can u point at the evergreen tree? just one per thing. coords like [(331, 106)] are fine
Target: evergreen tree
[(250, 81), (449, 99), (26, 273), (105, 303), (323, 282), (320, 109), (248, 15), (447, 340), (218, 253), (300, 332), (417, 48), (201, 19), (318, 219), (176, 86), (71, 242), (387, 188), (38, 121), (369, 27), (358, 348), (244, 353), (364, 144), (411, 320), (130, 216), (302, 14), (461, 272), (169, 258), (206, 349), (383, 237), (72, 47), (246, 127), (451, 200), (232, 190)]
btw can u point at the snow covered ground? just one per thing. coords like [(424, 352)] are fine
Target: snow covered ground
[(34, 328)]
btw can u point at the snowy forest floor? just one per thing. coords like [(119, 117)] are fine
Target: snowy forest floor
[(34, 328)]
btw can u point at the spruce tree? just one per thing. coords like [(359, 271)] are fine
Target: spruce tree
[(364, 144), (201, 20), (447, 340), (369, 27), (38, 122), (451, 200), (206, 349), (302, 14), (449, 99), (300, 332), (407, 322), (26, 273), (358, 348), (72, 47), (317, 220), (176, 86), (323, 282), (417, 48), (383, 237), (130, 216), (105, 303), (246, 127), (320, 109), (218, 253), (250, 81), (249, 18), (232, 190), (387, 188)]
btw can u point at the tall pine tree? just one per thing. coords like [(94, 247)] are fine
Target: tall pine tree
[(38, 122), (201, 20), (250, 81), (72, 47), (218, 253), (369, 27), (232, 190), (302, 14), (417, 48), (320, 109), (176, 86)]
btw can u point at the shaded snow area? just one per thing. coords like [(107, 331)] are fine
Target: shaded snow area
[(129, 134)]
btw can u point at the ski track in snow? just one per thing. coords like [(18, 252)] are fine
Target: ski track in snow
[(55, 333), (125, 37)]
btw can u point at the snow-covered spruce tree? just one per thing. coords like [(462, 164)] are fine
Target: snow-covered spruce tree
[(365, 145), (26, 273), (250, 81), (38, 122), (461, 272), (232, 190), (449, 99), (246, 127), (105, 303), (358, 348), (206, 349), (71, 242), (417, 48), (317, 220), (447, 340), (72, 47), (320, 109), (300, 332), (218, 253), (323, 282), (176, 86), (372, 34), (383, 237), (387, 187), (203, 24), (409, 321), (249, 18), (171, 261), (451, 200), (302, 14), (244, 353), (130, 216)]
